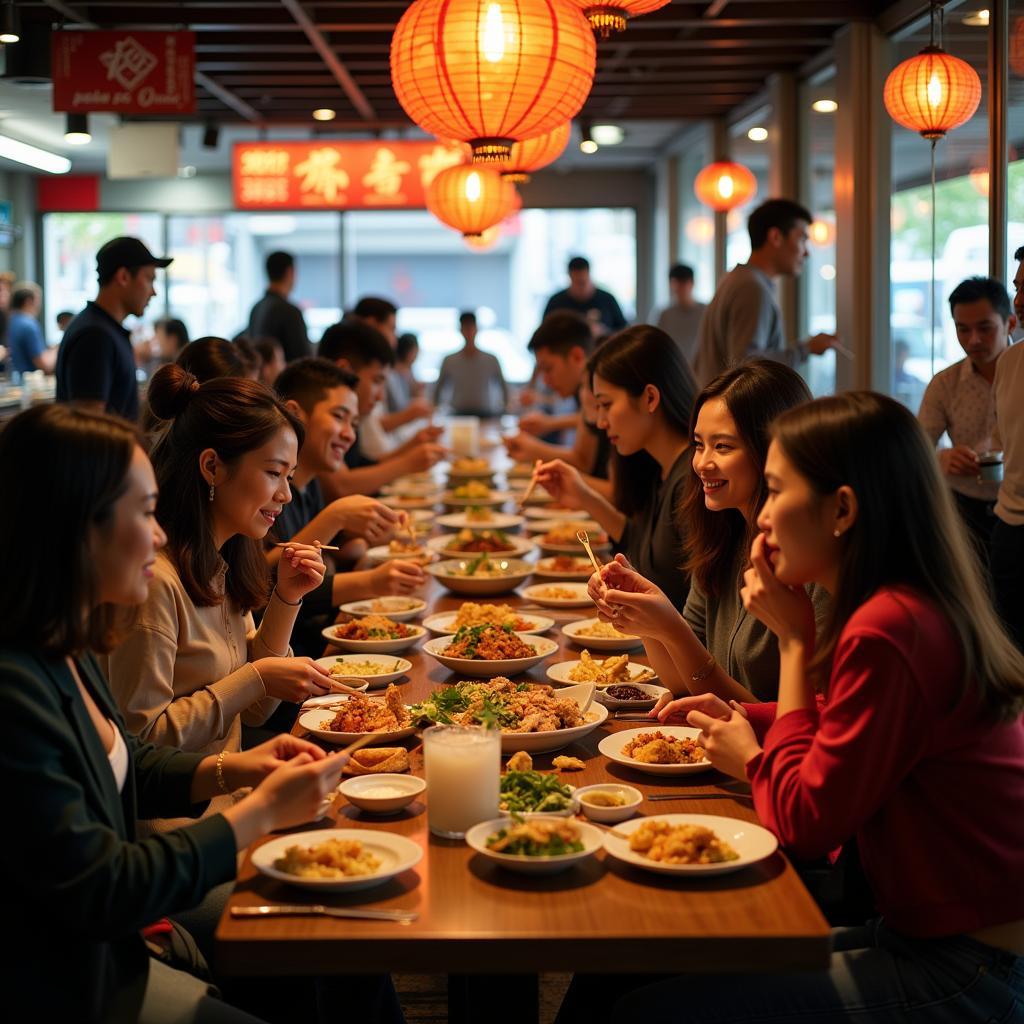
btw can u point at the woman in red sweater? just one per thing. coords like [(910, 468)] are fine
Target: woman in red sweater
[(915, 744)]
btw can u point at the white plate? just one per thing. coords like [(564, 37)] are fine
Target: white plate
[(396, 853), (373, 646), (554, 515), (486, 669), (543, 570), (553, 739), (312, 722), (545, 523), (393, 607), (476, 839), (559, 672), (409, 488), (481, 586), (519, 546), (752, 842), (356, 791), (600, 643), (615, 704), (383, 553), (498, 521), (611, 747), (395, 667), (520, 471), (414, 502), (493, 500), (443, 624), (535, 592)]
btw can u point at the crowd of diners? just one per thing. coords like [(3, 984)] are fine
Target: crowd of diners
[(833, 602)]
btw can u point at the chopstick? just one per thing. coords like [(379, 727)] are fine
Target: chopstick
[(319, 547), (533, 483), (584, 538), (360, 743)]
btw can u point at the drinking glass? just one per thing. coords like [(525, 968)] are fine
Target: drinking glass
[(463, 767)]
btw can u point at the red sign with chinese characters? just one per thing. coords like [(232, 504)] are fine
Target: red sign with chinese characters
[(124, 72), (337, 175)]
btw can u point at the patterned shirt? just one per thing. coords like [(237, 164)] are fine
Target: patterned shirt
[(961, 403)]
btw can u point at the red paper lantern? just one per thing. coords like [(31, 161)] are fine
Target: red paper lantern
[(532, 154), (606, 18), (724, 185), (471, 199), (492, 72), (932, 93)]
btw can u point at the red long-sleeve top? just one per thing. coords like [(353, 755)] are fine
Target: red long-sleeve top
[(898, 756)]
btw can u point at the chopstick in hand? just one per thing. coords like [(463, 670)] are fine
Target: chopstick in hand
[(319, 547), (533, 483), (584, 538)]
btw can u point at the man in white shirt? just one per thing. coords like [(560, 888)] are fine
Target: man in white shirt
[(959, 401), (1008, 532)]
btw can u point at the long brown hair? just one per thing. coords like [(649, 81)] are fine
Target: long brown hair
[(754, 393), (65, 469), (907, 531), (232, 416)]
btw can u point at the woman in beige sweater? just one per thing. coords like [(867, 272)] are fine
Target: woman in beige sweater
[(194, 666)]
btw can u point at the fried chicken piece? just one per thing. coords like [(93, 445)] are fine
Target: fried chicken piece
[(375, 760), (520, 761), (565, 763), (394, 704)]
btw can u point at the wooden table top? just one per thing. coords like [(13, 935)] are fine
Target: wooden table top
[(475, 917)]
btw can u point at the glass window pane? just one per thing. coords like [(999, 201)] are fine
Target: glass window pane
[(756, 157), (697, 228), (1015, 138)]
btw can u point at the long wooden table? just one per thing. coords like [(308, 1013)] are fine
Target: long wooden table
[(475, 917)]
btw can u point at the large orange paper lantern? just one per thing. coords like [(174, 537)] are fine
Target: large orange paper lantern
[(932, 93), (724, 185), (606, 18), (532, 154), (492, 72), (471, 199)]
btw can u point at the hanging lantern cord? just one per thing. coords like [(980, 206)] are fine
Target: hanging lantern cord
[(931, 293)]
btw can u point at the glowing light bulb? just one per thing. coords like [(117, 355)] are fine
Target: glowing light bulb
[(492, 41), (473, 187), (934, 90), (726, 186)]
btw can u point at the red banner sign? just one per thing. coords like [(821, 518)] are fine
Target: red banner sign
[(337, 175), (124, 72)]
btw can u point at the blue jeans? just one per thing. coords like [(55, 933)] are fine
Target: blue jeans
[(876, 977)]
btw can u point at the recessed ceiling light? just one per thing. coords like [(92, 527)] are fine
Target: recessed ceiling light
[(979, 19), (10, 29), (607, 134), (588, 146), (757, 134), (324, 114), (825, 106)]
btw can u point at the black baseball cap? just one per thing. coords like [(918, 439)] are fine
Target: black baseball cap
[(125, 252)]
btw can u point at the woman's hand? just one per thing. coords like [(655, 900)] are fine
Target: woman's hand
[(673, 710), (522, 447), (631, 602), (396, 577), (251, 767), (366, 517), (786, 611), (296, 792), (729, 741), (300, 570), (293, 679), (563, 482)]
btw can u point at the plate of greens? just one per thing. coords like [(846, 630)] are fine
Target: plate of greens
[(534, 844), (535, 792)]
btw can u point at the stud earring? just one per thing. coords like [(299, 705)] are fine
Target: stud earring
[(212, 493), (835, 533)]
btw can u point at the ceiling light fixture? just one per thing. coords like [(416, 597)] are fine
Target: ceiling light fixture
[(33, 156), (324, 114), (825, 106), (587, 143), (10, 28), (979, 19), (757, 134), (76, 129), (607, 134)]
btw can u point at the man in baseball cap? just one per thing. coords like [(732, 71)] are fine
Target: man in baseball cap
[(95, 362)]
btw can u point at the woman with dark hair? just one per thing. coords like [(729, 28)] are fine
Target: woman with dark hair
[(914, 743), (194, 667), (643, 393), (714, 646), (210, 357), (76, 778)]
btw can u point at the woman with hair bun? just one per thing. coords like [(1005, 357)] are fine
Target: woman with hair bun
[(193, 666)]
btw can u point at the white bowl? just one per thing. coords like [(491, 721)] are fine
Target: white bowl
[(313, 721), (625, 642), (486, 669), (406, 487), (443, 624), (410, 502), (397, 609), (579, 598), (373, 646), (359, 791), (611, 746), (397, 854), (553, 739), (493, 500), (518, 571), (615, 704), (752, 842), (383, 553), (518, 546), (546, 571), (559, 672), (390, 668), (476, 839), (609, 815), (497, 521)]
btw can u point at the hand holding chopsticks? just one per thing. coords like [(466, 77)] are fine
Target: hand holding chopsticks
[(533, 483), (584, 538), (317, 544)]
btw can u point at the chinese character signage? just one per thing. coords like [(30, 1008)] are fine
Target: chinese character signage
[(124, 72), (337, 175)]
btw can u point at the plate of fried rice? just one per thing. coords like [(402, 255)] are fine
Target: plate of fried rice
[(488, 650)]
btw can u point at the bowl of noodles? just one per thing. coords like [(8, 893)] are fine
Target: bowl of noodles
[(488, 650), (482, 575)]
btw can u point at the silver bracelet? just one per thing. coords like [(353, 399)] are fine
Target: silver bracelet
[(705, 670)]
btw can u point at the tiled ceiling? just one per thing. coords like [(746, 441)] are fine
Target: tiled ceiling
[(273, 61)]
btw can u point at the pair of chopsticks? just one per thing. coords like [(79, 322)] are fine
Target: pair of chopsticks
[(584, 538), (319, 547)]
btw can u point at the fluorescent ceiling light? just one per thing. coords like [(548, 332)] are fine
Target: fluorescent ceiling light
[(979, 19), (825, 106), (757, 134), (32, 156), (607, 134)]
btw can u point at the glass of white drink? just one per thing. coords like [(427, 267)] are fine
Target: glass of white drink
[(463, 768)]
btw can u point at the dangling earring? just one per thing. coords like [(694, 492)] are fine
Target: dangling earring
[(212, 493)]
